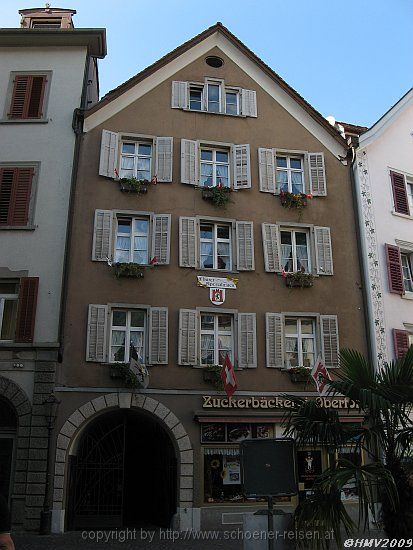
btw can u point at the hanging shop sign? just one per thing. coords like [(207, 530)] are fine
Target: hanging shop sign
[(212, 402), (217, 287)]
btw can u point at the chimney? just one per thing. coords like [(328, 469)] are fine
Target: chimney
[(46, 18)]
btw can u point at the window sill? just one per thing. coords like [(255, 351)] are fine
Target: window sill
[(24, 121), (213, 113), (407, 296), (401, 215), (17, 227)]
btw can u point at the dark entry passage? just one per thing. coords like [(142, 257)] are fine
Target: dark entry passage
[(124, 474)]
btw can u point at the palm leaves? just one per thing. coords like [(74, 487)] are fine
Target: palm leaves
[(385, 400)]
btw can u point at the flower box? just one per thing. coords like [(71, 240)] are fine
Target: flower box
[(133, 185), (130, 270), (122, 371), (294, 200), (218, 195), (300, 374), (299, 280), (212, 375)]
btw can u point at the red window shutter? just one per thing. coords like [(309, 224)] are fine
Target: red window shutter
[(401, 342), (26, 314), (401, 203), (394, 269), (27, 97), (15, 192)]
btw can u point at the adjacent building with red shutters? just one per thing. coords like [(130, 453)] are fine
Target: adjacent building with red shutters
[(48, 69), (383, 170)]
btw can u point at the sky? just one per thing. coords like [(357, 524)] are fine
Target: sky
[(352, 59)]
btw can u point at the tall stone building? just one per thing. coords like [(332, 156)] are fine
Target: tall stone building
[(160, 258), (48, 69)]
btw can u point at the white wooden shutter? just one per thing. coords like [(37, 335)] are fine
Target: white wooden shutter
[(96, 333), (179, 95), (189, 162), (323, 250), (245, 246), (108, 154), (188, 242), (102, 236), (249, 103), (317, 172), (241, 166), (329, 340), (164, 158), (161, 238), (274, 338), (158, 336), (188, 337), (272, 247), (247, 340), (267, 172)]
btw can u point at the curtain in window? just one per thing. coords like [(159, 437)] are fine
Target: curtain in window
[(302, 259), (287, 260)]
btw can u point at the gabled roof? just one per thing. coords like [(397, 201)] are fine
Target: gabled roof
[(382, 124), (174, 54)]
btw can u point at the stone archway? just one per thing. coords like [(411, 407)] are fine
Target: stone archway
[(72, 428), (22, 407)]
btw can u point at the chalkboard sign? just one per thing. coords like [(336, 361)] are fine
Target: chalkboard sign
[(268, 467)]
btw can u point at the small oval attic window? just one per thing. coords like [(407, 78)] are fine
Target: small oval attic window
[(214, 61)]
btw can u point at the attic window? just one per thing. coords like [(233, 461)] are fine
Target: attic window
[(46, 24), (214, 61)]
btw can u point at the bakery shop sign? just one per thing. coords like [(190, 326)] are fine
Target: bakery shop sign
[(212, 402)]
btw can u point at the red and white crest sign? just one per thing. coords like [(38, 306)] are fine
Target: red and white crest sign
[(217, 296)]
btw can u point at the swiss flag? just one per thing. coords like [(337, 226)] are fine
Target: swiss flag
[(228, 377), (320, 375)]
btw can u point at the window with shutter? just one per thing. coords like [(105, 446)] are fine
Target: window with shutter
[(401, 202), (216, 338), (188, 241), (188, 337), (242, 168), (329, 340), (102, 236), (323, 250), (189, 162), (27, 97), (15, 194), (26, 314), (158, 336), (9, 296), (272, 247), (179, 95), (164, 157), (266, 163), (394, 269), (96, 333), (247, 340), (249, 103), (316, 167), (245, 246), (401, 339), (161, 239), (274, 336)]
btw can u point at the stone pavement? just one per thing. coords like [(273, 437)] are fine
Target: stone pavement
[(125, 540)]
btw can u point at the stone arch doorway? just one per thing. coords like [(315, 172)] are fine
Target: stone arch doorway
[(8, 433), (129, 414), (123, 473)]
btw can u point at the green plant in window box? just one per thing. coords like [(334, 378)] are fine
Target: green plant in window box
[(212, 375), (300, 374), (299, 279), (130, 270), (218, 194), (294, 200), (133, 185), (122, 371)]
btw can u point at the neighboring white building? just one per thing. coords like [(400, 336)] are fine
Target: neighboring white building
[(383, 171), (48, 71)]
